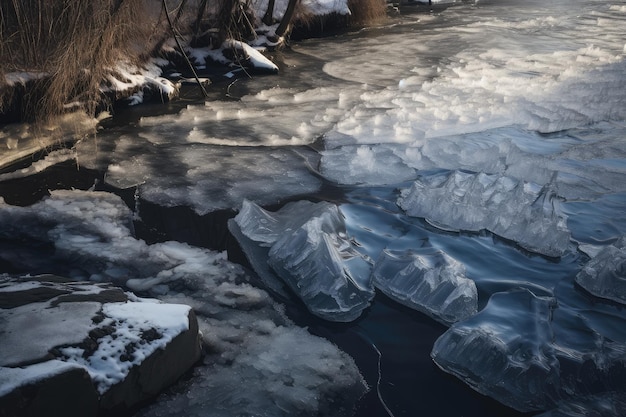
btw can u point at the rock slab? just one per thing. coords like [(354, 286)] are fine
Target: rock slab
[(80, 348)]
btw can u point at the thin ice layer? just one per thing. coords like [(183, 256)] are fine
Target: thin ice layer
[(605, 275), (171, 171), (515, 210), (427, 280), (310, 251)]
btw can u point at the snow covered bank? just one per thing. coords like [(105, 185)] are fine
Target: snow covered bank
[(246, 334)]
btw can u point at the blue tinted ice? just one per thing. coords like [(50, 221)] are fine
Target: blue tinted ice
[(428, 280), (538, 352), (520, 211), (605, 275), (311, 252)]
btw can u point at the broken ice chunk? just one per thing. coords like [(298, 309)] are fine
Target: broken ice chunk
[(605, 275), (307, 246), (266, 227), (505, 351), (320, 265), (371, 165), (520, 211), (428, 280)]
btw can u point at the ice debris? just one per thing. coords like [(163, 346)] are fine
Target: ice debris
[(529, 351), (428, 280), (605, 275), (516, 210), (311, 252)]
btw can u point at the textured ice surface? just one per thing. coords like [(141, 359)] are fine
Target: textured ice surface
[(515, 210), (608, 404), (428, 280), (371, 165), (310, 250), (605, 275), (539, 347), (247, 334), (507, 341), (170, 171)]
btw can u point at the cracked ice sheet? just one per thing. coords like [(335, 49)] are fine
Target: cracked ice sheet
[(206, 177), (248, 334)]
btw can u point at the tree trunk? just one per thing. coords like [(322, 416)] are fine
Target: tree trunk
[(284, 24), (268, 18)]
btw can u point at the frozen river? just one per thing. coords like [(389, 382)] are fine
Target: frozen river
[(443, 195)]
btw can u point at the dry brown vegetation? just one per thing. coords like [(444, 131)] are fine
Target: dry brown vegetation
[(367, 12), (75, 44)]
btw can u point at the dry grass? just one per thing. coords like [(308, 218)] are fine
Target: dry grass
[(367, 12), (74, 42), (77, 42)]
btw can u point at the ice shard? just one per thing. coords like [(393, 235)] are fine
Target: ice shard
[(605, 275), (308, 248), (535, 353), (428, 280), (505, 352), (516, 210)]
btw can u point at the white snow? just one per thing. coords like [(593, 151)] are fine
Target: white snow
[(127, 76), (32, 322), (33, 330), (247, 334), (110, 362), (314, 7), (11, 378)]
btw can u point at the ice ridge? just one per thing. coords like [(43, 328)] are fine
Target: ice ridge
[(428, 280), (310, 251), (516, 210)]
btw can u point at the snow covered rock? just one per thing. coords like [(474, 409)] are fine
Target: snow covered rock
[(311, 252), (605, 275), (520, 211), (116, 348), (427, 280)]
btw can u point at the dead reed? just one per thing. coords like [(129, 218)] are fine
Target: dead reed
[(73, 42), (367, 12)]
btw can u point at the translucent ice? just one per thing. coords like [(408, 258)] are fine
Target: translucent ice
[(507, 341), (310, 251), (428, 280), (371, 165), (516, 210), (605, 275), (538, 352)]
